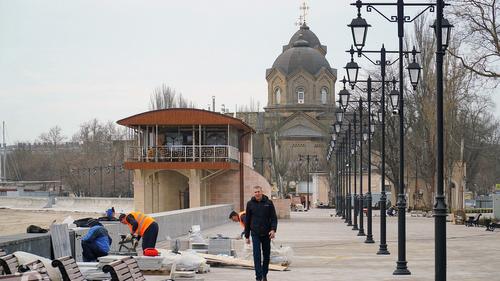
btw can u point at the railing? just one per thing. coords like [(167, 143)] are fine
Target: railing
[(182, 153)]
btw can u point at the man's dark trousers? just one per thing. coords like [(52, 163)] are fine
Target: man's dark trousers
[(91, 252), (261, 266)]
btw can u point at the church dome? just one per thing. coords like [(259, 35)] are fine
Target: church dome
[(301, 55), (307, 35)]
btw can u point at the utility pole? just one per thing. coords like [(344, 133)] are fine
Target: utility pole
[(3, 161)]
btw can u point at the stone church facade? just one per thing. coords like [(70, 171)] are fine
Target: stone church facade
[(298, 117)]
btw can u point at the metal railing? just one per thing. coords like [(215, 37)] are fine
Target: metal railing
[(182, 153)]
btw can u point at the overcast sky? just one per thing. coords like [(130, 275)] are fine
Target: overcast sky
[(66, 62)]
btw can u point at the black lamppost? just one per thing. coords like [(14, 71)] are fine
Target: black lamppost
[(308, 157), (352, 67), (400, 19), (441, 26), (93, 171), (359, 200), (262, 159)]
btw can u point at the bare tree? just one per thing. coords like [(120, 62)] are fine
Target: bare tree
[(477, 27), (165, 97), (53, 137)]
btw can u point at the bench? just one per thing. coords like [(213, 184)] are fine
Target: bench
[(25, 276), (473, 221), (125, 269), (9, 264), (35, 266), (2, 253), (491, 226), (68, 268)]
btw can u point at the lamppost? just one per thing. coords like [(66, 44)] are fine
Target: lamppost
[(262, 159), (441, 26), (352, 74), (358, 111), (93, 170), (360, 28), (308, 157)]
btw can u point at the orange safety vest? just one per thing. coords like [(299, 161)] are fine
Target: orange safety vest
[(143, 222), (242, 223)]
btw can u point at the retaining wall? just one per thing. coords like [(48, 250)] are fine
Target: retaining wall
[(86, 204), (172, 224)]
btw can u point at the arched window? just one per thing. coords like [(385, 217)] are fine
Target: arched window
[(324, 95), (300, 95), (277, 96)]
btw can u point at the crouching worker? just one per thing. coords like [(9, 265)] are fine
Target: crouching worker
[(96, 242), (239, 217), (141, 226)]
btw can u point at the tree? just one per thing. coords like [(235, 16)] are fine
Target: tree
[(165, 97), (477, 27), (53, 137)]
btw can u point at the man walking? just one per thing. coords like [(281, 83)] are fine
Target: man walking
[(261, 222)]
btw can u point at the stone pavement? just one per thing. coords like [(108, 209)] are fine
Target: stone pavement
[(326, 249)]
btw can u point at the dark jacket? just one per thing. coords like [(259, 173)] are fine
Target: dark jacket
[(99, 235), (260, 217)]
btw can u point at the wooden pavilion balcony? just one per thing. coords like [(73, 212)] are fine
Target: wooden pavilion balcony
[(182, 153)]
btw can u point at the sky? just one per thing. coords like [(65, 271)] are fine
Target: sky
[(66, 62)]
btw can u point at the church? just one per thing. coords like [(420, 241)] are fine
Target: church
[(294, 131)]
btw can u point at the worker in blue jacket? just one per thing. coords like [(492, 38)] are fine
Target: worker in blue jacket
[(96, 242)]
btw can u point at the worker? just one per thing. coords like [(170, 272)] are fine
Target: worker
[(96, 242), (141, 226), (239, 217), (110, 214)]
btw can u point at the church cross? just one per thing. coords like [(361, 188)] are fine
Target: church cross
[(304, 8)]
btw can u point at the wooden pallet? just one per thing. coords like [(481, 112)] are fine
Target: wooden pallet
[(155, 272), (237, 262)]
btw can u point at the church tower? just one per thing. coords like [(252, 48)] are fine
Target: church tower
[(297, 118), (301, 78)]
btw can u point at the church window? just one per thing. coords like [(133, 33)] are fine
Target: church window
[(300, 95), (324, 94), (277, 95)]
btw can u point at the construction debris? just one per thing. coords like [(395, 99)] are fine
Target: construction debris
[(213, 259)]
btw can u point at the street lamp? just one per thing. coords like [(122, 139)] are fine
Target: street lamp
[(445, 32), (442, 29), (394, 95), (339, 115), (359, 28), (344, 96), (352, 69), (337, 126), (414, 70), (401, 19), (308, 158)]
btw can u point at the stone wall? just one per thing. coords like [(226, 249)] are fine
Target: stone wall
[(172, 224)]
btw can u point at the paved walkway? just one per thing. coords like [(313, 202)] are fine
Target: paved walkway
[(326, 249)]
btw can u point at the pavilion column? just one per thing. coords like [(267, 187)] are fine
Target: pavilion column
[(195, 188)]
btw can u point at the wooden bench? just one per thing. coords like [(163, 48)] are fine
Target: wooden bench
[(25, 276), (35, 266), (2, 253), (125, 269), (9, 264), (68, 268)]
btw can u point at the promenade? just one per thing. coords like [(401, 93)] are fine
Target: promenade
[(326, 249)]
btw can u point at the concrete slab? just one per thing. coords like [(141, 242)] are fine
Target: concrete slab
[(326, 249)]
